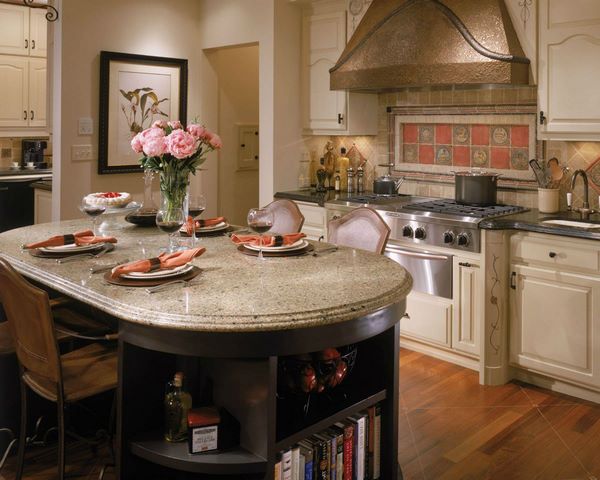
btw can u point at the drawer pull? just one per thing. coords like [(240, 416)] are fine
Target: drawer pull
[(513, 277), (26, 43), (552, 254), (465, 264), (3, 189), (33, 44), (24, 114), (32, 115), (340, 118), (406, 315)]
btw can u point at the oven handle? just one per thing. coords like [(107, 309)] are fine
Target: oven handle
[(412, 253)]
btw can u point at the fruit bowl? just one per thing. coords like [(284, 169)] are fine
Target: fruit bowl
[(316, 372)]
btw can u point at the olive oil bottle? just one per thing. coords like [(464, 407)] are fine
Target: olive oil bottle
[(177, 404)]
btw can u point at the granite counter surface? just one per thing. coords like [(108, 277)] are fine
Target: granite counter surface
[(532, 221), (42, 185), (234, 292)]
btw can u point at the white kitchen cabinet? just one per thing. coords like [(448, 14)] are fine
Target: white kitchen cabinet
[(568, 69), (42, 202), (23, 87), (325, 111), (428, 319), (315, 220), (555, 307), (23, 31), (468, 305)]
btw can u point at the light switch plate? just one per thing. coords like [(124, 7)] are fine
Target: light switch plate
[(81, 153), (85, 126)]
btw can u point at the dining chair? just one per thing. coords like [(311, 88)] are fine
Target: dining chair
[(287, 217), (362, 228), (62, 379)]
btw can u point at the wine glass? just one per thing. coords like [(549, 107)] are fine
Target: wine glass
[(196, 205), (260, 220), (93, 211), (170, 221)]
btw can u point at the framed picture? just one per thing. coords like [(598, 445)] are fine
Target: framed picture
[(135, 91)]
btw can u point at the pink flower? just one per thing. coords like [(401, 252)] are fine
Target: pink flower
[(160, 124), (215, 141), (175, 124), (197, 131), (136, 143), (155, 146), (181, 144)]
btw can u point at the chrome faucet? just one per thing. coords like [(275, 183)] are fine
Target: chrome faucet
[(584, 210)]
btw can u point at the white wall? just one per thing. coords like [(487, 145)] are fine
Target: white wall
[(237, 73), (146, 27)]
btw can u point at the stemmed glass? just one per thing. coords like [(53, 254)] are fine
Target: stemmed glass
[(170, 220), (196, 205), (260, 220), (93, 211)]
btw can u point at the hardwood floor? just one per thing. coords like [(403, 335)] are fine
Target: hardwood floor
[(451, 428)]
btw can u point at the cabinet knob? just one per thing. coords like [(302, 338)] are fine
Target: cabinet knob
[(336, 217), (552, 254)]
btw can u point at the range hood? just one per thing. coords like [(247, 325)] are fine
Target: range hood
[(403, 43)]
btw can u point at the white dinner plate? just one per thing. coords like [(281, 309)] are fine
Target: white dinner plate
[(72, 248), (213, 228), (283, 248), (173, 272)]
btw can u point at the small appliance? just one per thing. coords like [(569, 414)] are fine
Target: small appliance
[(33, 151)]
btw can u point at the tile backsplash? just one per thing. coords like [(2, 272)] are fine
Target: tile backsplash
[(11, 151), (574, 155)]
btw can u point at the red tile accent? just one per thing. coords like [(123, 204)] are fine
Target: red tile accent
[(443, 134), (500, 157), (480, 135), (461, 156), (426, 154), (410, 133), (519, 136)]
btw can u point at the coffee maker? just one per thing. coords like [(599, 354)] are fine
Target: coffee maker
[(33, 151)]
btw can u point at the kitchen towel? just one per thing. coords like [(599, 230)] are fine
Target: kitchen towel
[(85, 237), (165, 261)]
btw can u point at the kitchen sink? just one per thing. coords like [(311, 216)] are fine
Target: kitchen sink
[(573, 223)]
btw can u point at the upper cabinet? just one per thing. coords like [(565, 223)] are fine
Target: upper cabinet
[(22, 31), (325, 111), (568, 69)]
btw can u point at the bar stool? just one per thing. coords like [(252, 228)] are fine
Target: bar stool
[(362, 228), (62, 379), (287, 217)]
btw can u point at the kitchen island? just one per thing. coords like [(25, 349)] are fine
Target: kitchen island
[(229, 331)]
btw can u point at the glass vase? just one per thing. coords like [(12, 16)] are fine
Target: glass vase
[(173, 190), (148, 206)]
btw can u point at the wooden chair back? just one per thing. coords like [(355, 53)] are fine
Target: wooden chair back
[(362, 228), (30, 322), (287, 217)]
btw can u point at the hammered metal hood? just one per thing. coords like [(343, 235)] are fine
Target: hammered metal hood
[(403, 43)]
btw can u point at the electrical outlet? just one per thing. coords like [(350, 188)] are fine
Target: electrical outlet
[(81, 153)]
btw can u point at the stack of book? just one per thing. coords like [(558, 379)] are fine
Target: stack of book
[(347, 450)]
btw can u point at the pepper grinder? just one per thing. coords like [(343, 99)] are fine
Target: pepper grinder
[(321, 176), (350, 174), (360, 180)]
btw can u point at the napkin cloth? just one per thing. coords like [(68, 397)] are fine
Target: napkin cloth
[(209, 222), (165, 261), (84, 237), (267, 240)]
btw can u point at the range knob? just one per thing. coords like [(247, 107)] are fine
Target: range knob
[(462, 239), (449, 237), (420, 233), (407, 231)]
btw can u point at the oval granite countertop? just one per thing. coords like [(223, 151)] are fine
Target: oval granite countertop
[(234, 292), (532, 221)]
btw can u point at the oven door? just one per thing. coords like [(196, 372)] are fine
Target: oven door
[(431, 271)]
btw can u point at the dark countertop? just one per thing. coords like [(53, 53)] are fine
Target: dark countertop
[(531, 221), (42, 185), (25, 171), (311, 196)]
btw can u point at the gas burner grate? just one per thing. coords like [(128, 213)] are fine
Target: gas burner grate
[(450, 207)]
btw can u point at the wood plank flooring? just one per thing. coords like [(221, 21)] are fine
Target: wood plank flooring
[(451, 428)]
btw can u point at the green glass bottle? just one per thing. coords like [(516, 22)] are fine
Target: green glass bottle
[(177, 404)]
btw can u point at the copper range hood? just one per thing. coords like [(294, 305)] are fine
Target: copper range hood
[(403, 43)]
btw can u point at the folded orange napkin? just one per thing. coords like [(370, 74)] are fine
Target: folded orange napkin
[(267, 240), (209, 222), (85, 237), (164, 261)]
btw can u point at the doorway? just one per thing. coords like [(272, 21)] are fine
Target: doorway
[(236, 69)]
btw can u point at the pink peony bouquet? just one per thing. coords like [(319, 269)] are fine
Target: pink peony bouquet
[(170, 146)]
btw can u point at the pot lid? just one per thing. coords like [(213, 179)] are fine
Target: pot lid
[(431, 42)]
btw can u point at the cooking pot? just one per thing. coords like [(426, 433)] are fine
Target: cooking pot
[(386, 185), (475, 187)]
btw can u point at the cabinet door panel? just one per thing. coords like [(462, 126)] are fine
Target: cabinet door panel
[(14, 30), (429, 319), (14, 85), (37, 92), (553, 326), (468, 315), (38, 46)]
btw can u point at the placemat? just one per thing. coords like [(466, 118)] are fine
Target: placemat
[(127, 282), (280, 253), (36, 252)]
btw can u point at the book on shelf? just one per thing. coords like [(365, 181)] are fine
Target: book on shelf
[(277, 469), (286, 465), (376, 442), (348, 429), (359, 445), (296, 463), (339, 445), (306, 449)]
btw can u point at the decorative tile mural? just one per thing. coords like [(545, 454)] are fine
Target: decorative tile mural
[(503, 147)]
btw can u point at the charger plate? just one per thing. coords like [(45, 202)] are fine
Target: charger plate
[(126, 282), (280, 253)]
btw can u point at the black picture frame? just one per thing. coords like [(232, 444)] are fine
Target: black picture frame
[(109, 161)]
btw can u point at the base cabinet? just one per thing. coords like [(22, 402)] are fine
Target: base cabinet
[(428, 319), (315, 220), (468, 305), (42, 206), (555, 308)]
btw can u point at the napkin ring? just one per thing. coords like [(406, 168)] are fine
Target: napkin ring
[(277, 241), (154, 264), (68, 239)]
